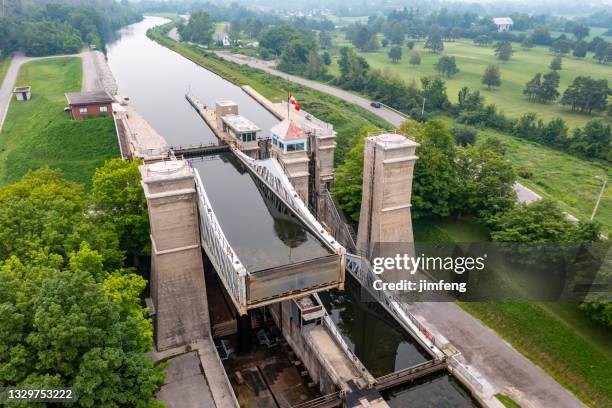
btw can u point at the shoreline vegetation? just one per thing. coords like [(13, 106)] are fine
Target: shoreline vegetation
[(38, 133), (576, 355)]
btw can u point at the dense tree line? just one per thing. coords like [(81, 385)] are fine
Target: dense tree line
[(70, 310), (58, 28)]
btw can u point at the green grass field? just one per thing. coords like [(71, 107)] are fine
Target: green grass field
[(39, 133), (556, 336), (507, 401), (4, 65), (573, 182), (472, 61)]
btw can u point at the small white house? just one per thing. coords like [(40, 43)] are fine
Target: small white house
[(503, 23), (22, 93), (223, 40)]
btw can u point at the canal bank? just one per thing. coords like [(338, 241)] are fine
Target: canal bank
[(196, 134)]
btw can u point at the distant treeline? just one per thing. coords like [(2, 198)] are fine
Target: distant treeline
[(60, 27)]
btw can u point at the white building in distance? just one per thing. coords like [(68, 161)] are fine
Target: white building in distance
[(503, 23)]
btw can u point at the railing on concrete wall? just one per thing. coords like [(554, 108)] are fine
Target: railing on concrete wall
[(360, 269), (329, 400), (462, 370), (271, 173), (333, 330), (410, 373), (226, 262)]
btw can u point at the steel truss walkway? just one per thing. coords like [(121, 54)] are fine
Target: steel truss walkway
[(261, 238)]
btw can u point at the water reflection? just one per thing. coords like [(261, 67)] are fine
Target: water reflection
[(377, 340), (261, 230), (439, 390), (156, 80)]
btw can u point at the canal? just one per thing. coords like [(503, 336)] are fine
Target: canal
[(156, 80)]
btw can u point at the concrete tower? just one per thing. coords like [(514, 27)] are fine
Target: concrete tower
[(387, 186), (290, 148), (177, 274)]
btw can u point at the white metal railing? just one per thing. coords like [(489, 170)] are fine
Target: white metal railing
[(360, 269), (223, 257), (456, 365), (272, 174), (333, 330)]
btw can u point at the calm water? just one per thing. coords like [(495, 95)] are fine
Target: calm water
[(156, 80), (260, 230), (435, 391), (379, 342)]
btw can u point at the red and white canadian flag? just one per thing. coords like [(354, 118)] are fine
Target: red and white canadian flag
[(293, 103)]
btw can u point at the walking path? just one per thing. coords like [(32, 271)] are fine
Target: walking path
[(90, 77), (501, 367)]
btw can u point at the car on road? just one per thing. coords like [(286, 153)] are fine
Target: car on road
[(375, 104)]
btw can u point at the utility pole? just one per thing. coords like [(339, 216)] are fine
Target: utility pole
[(603, 187), (423, 108)]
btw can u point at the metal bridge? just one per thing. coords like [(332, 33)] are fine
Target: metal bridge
[(261, 238)]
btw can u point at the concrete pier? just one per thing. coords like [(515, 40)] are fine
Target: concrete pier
[(387, 188), (177, 278)]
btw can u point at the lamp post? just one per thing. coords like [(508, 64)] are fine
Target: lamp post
[(601, 192)]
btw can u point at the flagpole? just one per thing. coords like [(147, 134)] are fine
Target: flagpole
[(288, 97)]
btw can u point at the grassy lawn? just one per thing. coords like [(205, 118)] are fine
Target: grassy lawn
[(577, 357), (39, 133), (572, 181), (507, 401), (4, 65), (472, 61), (346, 117)]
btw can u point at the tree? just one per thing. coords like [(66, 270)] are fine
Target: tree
[(556, 63), (483, 186), (326, 58), (325, 40), (464, 136), (527, 42), (603, 52), (598, 311), (353, 69), (541, 36), (482, 40), (580, 49), (300, 56), (586, 94), (447, 66), (434, 92), (276, 38), (315, 68), (503, 50), (532, 87), (395, 54), (541, 221), (349, 176), (362, 37), (434, 41), (434, 172), (561, 46), (415, 58), (199, 29), (594, 140), (119, 199), (550, 84), (384, 42), (410, 45), (580, 32), (491, 76)]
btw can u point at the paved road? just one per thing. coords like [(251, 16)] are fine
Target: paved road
[(524, 194), (498, 363), (6, 89), (394, 118), (502, 367)]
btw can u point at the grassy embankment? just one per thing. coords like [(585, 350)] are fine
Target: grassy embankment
[(472, 61), (558, 337), (347, 118), (557, 333), (39, 133)]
